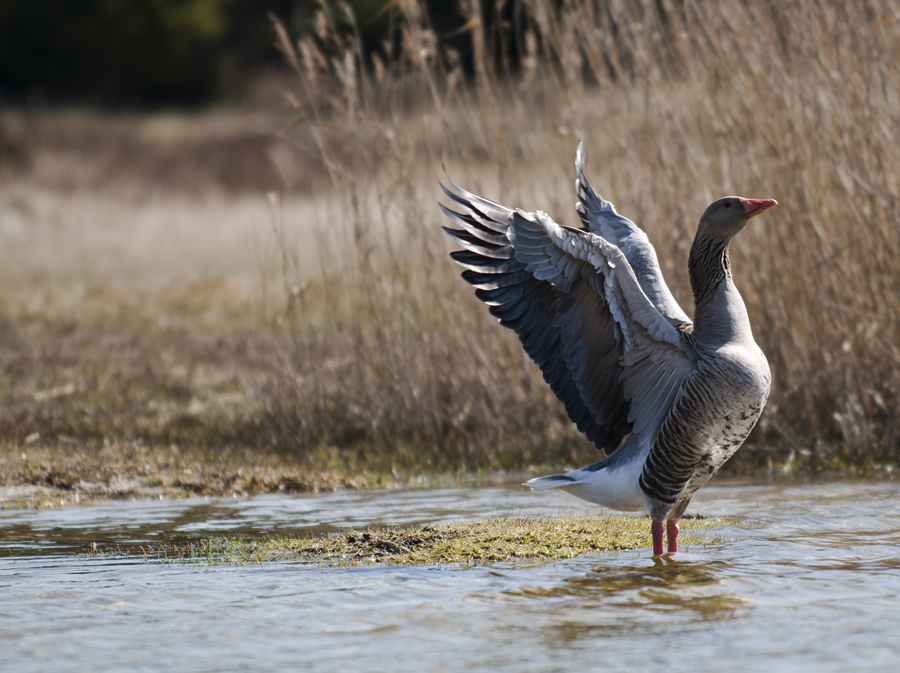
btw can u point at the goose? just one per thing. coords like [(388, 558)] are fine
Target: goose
[(668, 400)]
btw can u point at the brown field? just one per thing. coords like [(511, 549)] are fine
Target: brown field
[(154, 296)]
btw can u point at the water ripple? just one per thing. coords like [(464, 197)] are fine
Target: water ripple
[(811, 583)]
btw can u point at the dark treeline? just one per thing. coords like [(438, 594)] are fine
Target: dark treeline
[(133, 52), (186, 52)]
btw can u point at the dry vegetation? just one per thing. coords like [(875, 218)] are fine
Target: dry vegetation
[(678, 104), (358, 349)]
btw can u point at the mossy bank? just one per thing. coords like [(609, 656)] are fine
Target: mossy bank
[(493, 540)]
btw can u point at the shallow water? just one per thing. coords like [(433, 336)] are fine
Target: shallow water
[(812, 585)]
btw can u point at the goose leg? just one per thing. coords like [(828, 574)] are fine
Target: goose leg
[(671, 535), (656, 528)]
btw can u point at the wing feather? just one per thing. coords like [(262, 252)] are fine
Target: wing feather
[(474, 244), (600, 217), (607, 351), (471, 225)]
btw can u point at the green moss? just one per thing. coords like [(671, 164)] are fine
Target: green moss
[(465, 542)]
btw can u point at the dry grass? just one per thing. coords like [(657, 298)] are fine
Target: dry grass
[(147, 303), (133, 332), (388, 355), (135, 409), (224, 150)]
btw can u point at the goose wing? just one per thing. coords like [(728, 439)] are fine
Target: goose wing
[(599, 216), (572, 297)]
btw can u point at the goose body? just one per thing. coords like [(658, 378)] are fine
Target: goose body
[(668, 399)]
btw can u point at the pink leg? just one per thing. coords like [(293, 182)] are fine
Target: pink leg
[(656, 527), (672, 535)]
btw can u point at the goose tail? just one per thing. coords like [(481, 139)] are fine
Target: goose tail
[(613, 482), (554, 481)]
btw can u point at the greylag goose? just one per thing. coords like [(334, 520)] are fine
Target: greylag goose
[(668, 400)]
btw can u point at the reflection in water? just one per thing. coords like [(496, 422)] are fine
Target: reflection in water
[(603, 599), (813, 585), (605, 583), (108, 526)]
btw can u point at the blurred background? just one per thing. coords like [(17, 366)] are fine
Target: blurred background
[(186, 53), (141, 53), (219, 233), (151, 67)]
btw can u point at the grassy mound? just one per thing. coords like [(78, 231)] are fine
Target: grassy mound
[(480, 541)]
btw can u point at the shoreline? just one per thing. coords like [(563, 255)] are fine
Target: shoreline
[(46, 478)]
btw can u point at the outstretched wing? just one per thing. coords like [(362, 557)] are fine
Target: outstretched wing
[(609, 355), (599, 216)]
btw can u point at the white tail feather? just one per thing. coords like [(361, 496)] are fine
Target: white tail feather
[(555, 481), (616, 488)]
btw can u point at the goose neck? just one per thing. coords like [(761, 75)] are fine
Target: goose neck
[(708, 266), (720, 316)]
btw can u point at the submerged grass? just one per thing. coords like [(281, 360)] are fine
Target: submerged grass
[(491, 540)]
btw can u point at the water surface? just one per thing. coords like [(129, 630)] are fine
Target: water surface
[(813, 584)]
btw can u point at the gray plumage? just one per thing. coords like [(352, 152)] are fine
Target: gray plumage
[(669, 400)]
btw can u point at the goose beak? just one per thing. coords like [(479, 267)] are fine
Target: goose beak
[(756, 206)]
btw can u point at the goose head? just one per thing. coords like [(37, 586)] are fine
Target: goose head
[(725, 217)]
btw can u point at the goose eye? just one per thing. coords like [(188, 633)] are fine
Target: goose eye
[(728, 205)]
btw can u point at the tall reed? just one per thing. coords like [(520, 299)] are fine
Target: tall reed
[(385, 355)]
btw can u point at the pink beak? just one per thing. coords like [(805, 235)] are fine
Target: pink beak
[(756, 206)]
